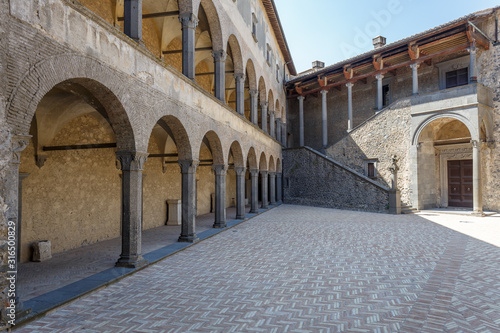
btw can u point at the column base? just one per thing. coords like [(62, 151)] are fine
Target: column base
[(131, 262), (252, 211), (265, 207), (240, 217), (219, 225), (273, 203), (188, 239)]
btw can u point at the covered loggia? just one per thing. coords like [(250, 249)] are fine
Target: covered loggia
[(263, 183), (251, 93), (236, 174), (263, 105), (253, 180)]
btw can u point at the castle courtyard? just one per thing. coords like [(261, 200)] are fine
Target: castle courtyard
[(305, 269)]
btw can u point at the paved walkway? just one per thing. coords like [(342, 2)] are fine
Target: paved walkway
[(303, 269)]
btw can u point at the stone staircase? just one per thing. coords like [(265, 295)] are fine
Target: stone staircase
[(407, 209)]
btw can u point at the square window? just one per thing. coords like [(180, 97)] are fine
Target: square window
[(457, 78)]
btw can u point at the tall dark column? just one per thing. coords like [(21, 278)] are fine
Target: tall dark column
[(133, 19), (254, 96), (279, 187), (131, 165), (220, 74), (240, 93), (254, 175), (263, 116), (189, 22), (263, 179), (240, 192), (272, 187), (188, 198), (220, 195)]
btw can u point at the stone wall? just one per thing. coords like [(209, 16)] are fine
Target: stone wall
[(379, 138), (313, 179)]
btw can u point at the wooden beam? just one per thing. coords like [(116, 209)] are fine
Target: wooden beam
[(154, 15), (163, 155), (75, 147), (198, 49), (474, 36), (443, 40), (212, 73)]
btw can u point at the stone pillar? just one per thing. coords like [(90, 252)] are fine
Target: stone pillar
[(240, 93), (301, 120), (272, 123), (240, 192), (279, 187), (220, 74), (414, 68), (189, 22), (263, 180), (278, 130), (188, 197), (263, 106), (380, 98), (476, 178), (324, 118), (131, 166), (254, 175), (272, 187), (22, 176), (283, 134), (254, 112), (349, 105), (133, 19), (220, 195), (472, 66)]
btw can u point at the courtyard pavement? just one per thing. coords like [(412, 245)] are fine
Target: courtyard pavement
[(304, 269)]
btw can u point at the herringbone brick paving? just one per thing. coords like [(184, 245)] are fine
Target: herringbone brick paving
[(303, 269)]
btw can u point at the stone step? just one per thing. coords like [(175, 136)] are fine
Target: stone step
[(407, 209)]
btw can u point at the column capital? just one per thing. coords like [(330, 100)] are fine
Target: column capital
[(272, 174), (240, 171), (131, 160), (188, 166), (264, 173), (324, 91), (271, 112), (472, 49), (349, 84), (254, 172), (239, 77), (278, 119), (188, 20), (253, 92), (300, 98), (379, 76), (475, 143), (219, 169), (415, 65), (219, 55), (18, 144), (263, 105)]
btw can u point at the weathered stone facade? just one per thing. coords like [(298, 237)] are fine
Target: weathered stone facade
[(314, 180)]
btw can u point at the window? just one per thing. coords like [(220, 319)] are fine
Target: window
[(269, 54), (457, 78), (370, 167), (386, 98), (254, 26), (277, 72)]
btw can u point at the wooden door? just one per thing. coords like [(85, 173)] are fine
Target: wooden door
[(460, 183)]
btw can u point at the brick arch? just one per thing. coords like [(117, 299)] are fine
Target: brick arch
[(250, 72), (271, 100), (252, 158), (185, 6), (213, 22), (107, 86), (277, 109), (237, 152), (176, 130), (262, 90), (263, 162), (278, 165), (236, 54), (418, 131), (215, 146), (272, 166)]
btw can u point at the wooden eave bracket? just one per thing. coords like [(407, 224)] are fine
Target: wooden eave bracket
[(474, 36), (322, 81)]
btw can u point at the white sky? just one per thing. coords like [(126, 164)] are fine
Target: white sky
[(334, 30)]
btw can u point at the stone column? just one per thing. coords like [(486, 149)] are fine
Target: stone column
[(476, 178), (254, 113), (189, 22), (220, 195), (131, 166), (278, 130), (263, 179), (22, 176), (272, 187), (10, 192), (263, 106), (301, 120), (472, 66), (240, 93), (414, 68), (279, 187), (220, 74), (349, 106), (254, 175), (188, 197), (133, 19), (271, 123), (283, 134), (380, 98), (324, 118), (240, 192)]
